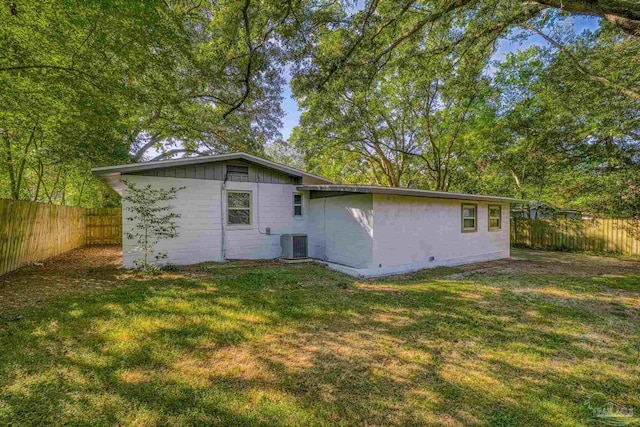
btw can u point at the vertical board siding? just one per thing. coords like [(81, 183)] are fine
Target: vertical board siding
[(215, 171), (596, 235), (31, 232), (35, 231), (104, 226)]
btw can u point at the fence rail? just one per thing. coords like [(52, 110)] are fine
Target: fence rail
[(597, 235), (31, 232)]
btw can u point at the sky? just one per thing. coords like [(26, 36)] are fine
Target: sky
[(290, 108), (505, 46)]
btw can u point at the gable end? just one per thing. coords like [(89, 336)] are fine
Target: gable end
[(216, 171)]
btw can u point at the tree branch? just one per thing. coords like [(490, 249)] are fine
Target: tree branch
[(176, 151), (583, 70), (248, 71), (623, 14), (420, 24)]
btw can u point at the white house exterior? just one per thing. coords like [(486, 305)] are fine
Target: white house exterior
[(377, 234), (236, 206)]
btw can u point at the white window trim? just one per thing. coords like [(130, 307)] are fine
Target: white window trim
[(240, 226), (475, 218), (293, 205)]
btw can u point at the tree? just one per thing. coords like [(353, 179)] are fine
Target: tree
[(152, 219), (363, 39), (230, 84), (71, 75), (102, 82), (403, 126), (548, 133)]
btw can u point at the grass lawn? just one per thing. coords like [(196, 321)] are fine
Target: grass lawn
[(540, 340)]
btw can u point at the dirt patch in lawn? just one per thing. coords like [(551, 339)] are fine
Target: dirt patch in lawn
[(554, 263), (521, 342), (99, 267), (87, 268), (91, 268)]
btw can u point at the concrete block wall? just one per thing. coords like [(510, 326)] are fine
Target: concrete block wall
[(341, 230), (377, 233), (273, 208), (199, 227), (411, 230), (202, 207)]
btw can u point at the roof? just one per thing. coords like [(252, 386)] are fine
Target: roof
[(111, 174), (335, 190)]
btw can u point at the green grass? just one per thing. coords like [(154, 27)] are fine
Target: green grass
[(301, 345)]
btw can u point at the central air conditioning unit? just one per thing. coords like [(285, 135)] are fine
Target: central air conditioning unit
[(294, 246)]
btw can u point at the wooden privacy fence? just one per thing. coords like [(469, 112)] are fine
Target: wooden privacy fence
[(31, 232), (597, 235), (103, 226)]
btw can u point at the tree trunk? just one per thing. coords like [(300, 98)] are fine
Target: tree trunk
[(10, 170), (621, 13), (23, 162), (84, 182)]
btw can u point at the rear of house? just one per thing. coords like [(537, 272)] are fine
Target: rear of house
[(371, 231), (237, 206)]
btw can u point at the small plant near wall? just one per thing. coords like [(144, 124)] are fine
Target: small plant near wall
[(153, 221)]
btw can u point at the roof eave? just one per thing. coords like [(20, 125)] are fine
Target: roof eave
[(160, 164), (112, 180), (111, 174), (394, 191)]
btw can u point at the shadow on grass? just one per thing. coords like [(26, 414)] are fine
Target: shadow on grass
[(303, 345)]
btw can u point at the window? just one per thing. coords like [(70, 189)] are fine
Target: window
[(297, 205), (469, 217), (239, 207), (495, 217)]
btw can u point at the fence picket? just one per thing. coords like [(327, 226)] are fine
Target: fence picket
[(31, 232), (598, 235)]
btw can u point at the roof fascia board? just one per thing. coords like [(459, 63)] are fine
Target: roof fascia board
[(161, 164), (394, 191)]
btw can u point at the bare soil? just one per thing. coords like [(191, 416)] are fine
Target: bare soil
[(99, 267), (90, 267), (558, 263)]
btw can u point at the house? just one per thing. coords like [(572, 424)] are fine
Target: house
[(237, 206)]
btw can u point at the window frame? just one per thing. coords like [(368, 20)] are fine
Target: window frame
[(250, 208), (475, 218), (489, 217), (294, 204)]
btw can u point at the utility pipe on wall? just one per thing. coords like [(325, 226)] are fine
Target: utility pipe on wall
[(222, 219)]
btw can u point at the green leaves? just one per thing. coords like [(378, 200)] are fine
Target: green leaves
[(400, 125), (152, 219), (554, 134), (113, 81), (392, 93), (71, 77)]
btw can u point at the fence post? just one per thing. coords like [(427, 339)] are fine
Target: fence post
[(602, 234), (31, 232)]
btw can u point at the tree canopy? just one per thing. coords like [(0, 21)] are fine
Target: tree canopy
[(401, 93), (557, 122), (110, 82)]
